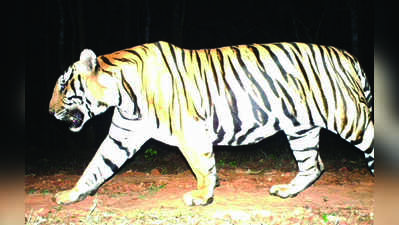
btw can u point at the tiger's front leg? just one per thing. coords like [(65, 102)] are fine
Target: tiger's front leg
[(197, 150), (111, 155)]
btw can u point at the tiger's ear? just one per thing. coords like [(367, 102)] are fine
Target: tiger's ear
[(89, 59)]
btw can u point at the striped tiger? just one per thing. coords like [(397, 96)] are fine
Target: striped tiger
[(194, 99)]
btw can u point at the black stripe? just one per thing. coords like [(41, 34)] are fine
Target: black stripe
[(277, 62), (120, 146), (164, 58), (300, 64), (350, 132), (303, 160), (313, 49), (89, 112), (265, 100), (356, 142), (145, 48), (132, 95), (126, 118), (266, 76), (73, 97), (291, 138), (170, 118), (344, 121), (323, 55), (106, 61), (107, 72), (232, 101), (235, 73), (259, 60), (215, 76), (122, 128), (338, 76), (323, 96), (288, 97), (119, 98), (276, 125), (260, 90), (73, 86), (242, 65), (172, 50), (215, 123), (126, 60), (319, 111), (206, 81), (198, 60), (220, 136), (165, 62), (339, 61), (244, 136), (301, 132), (271, 84), (259, 114), (305, 149), (99, 172), (183, 58), (80, 82), (110, 164), (370, 150), (309, 168), (220, 58), (288, 114), (286, 52), (134, 53), (156, 116)]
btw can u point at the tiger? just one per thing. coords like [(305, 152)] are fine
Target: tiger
[(195, 99)]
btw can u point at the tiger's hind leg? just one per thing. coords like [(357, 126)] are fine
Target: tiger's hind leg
[(366, 144), (304, 144)]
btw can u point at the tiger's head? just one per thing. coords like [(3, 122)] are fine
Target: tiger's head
[(82, 92)]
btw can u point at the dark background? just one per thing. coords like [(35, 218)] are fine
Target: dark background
[(57, 31)]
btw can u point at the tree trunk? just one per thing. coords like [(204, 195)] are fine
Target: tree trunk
[(147, 22), (178, 21), (354, 17), (61, 36)]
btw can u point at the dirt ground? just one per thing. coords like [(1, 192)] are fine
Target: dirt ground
[(344, 196)]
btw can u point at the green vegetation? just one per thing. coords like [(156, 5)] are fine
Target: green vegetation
[(150, 154)]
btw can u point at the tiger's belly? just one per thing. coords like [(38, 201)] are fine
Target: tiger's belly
[(246, 131)]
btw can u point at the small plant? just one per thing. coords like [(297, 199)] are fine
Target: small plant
[(154, 188), (164, 171), (233, 164), (32, 191), (45, 192), (150, 154), (330, 218), (221, 163)]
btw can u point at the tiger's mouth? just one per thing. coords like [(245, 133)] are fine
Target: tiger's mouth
[(75, 120)]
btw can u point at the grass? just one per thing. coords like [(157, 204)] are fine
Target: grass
[(152, 190), (193, 215)]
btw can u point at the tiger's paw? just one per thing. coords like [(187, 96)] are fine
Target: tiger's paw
[(68, 197), (283, 191), (197, 197)]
